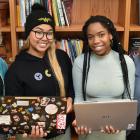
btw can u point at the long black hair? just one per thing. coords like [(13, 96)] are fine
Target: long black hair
[(116, 46)]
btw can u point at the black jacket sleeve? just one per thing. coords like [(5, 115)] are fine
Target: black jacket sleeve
[(13, 85)]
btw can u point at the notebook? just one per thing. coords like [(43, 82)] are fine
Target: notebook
[(19, 114), (121, 114)]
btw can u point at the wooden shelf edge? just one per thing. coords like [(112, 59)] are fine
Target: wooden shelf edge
[(134, 27), (20, 29), (119, 28), (5, 29), (71, 28)]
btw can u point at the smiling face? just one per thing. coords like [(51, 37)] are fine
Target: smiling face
[(99, 39), (40, 38)]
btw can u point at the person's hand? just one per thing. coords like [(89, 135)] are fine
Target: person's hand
[(81, 130), (69, 104), (109, 130), (36, 132)]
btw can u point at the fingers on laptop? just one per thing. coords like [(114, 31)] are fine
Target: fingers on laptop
[(109, 129), (83, 130), (36, 132)]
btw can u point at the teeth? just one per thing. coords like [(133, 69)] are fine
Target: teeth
[(97, 46), (43, 44)]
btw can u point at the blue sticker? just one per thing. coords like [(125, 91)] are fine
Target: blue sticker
[(30, 109)]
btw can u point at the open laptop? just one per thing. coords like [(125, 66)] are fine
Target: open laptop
[(19, 114), (121, 114)]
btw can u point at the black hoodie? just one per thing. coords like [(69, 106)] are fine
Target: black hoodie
[(28, 76)]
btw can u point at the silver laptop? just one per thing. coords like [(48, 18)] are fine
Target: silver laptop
[(121, 114)]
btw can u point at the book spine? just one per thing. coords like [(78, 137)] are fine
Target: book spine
[(80, 42), (37, 1), (65, 15), (32, 2), (27, 11), (60, 12), (18, 14), (55, 13), (68, 8), (49, 5), (22, 12)]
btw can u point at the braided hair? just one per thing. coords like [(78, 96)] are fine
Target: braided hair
[(115, 45)]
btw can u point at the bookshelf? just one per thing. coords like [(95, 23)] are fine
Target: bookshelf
[(124, 13)]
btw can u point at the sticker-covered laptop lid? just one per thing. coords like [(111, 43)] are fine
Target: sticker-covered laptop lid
[(19, 114)]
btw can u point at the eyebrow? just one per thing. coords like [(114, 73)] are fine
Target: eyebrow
[(43, 30), (97, 33)]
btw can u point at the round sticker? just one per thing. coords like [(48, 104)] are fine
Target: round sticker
[(38, 76), (51, 109)]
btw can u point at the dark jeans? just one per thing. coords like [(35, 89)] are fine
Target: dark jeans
[(135, 134)]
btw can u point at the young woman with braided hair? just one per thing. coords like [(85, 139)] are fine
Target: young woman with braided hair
[(103, 72)]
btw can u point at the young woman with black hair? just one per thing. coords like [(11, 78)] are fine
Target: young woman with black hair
[(103, 72)]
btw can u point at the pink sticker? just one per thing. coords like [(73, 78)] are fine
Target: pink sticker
[(61, 121)]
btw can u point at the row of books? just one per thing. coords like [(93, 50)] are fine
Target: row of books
[(59, 9), (73, 47), (62, 12)]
